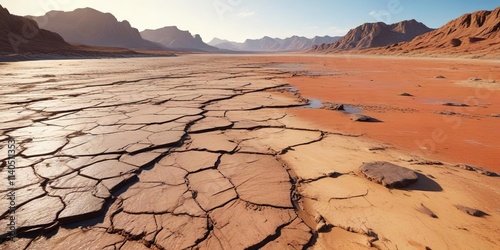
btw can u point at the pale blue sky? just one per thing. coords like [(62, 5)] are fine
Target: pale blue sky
[(240, 19)]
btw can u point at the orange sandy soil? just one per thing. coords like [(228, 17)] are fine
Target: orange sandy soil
[(472, 137)]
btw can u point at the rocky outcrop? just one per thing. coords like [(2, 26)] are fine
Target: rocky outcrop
[(22, 35), (174, 38), (88, 26), (476, 33), (388, 174), (371, 35)]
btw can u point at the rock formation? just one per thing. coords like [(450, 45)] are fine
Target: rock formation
[(88, 26), (371, 35), (268, 44), (476, 34), (174, 38), (22, 35)]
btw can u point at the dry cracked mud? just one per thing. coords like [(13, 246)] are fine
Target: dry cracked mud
[(200, 153)]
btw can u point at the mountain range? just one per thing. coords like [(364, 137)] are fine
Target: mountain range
[(476, 33), (87, 26), (371, 35), (173, 38), (268, 44)]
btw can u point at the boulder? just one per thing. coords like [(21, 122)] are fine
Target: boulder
[(361, 118), (471, 211), (332, 106), (452, 104), (455, 42), (388, 174)]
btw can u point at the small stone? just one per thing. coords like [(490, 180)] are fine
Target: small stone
[(376, 149), (405, 94), (423, 209), (332, 106), (446, 113), (452, 104), (439, 77), (475, 79), (479, 170), (471, 211), (361, 118)]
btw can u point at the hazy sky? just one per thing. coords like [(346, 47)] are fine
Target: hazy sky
[(240, 19)]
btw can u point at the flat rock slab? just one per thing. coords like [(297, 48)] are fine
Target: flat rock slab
[(388, 174)]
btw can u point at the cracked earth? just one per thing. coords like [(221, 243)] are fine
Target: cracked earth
[(200, 152)]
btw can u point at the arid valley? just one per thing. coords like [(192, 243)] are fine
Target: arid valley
[(161, 153), (385, 138)]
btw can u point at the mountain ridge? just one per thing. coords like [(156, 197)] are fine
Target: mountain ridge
[(269, 44), (379, 34), (91, 27), (174, 38), (476, 33)]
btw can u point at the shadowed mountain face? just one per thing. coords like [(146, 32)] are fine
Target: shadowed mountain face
[(268, 44), (174, 38), (90, 27), (371, 35), (477, 32), (21, 35)]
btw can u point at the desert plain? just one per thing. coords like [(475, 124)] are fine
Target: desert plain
[(246, 152)]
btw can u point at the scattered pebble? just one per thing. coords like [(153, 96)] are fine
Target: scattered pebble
[(452, 104), (446, 113), (471, 211), (362, 118), (425, 210), (332, 106)]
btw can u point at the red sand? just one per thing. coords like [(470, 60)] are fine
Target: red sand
[(470, 138)]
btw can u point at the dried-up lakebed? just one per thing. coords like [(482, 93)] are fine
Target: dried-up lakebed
[(185, 153)]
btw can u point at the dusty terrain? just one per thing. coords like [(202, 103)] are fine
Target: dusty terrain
[(185, 153), (430, 121)]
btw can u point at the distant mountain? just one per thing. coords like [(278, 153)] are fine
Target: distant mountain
[(22, 35), (174, 38), (91, 27), (268, 44), (371, 35), (476, 34), (216, 41)]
